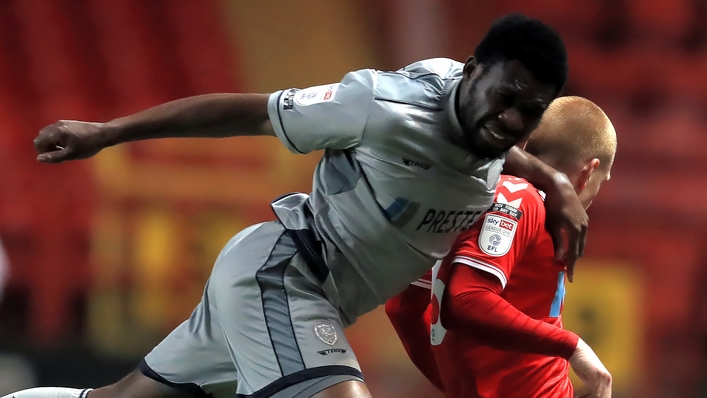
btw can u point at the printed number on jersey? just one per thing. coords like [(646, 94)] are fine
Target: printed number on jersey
[(437, 331)]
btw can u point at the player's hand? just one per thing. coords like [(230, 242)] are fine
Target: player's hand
[(70, 140), (567, 222), (596, 379)]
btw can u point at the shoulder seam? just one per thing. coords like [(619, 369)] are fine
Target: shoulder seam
[(374, 88), (430, 108), (421, 75), (532, 191)]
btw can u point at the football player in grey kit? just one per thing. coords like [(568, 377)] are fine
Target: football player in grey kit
[(411, 159)]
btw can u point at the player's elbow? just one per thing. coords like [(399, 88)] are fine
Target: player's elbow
[(460, 311)]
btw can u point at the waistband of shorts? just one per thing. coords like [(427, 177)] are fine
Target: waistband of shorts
[(309, 246)]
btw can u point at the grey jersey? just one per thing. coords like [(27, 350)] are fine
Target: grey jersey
[(395, 186)]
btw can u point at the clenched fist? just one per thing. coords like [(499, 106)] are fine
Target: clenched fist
[(70, 140), (586, 364)]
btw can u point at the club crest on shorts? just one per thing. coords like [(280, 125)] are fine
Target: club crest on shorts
[(326, 333)]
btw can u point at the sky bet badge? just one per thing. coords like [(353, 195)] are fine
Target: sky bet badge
[(497, 234)]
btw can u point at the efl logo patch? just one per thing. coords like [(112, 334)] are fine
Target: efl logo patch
[(497, 234), (316, 95)]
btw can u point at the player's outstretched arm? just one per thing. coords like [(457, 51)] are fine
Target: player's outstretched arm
[(563, 208), (212, 115)]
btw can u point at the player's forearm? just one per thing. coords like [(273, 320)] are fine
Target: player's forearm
[(493, 322), (212, 115), (522, 164)]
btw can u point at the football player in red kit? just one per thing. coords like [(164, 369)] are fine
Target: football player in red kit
[(493, 328)]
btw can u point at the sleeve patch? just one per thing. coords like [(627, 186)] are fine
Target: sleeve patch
[(316, 94), (497, 234), (507, 209), (288, 100)]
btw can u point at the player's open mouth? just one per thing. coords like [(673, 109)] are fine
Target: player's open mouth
[(494, 137)]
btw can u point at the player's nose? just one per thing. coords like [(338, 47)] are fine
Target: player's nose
[(511, 119)]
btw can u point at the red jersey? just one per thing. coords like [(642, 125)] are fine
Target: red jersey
[(512, 249)]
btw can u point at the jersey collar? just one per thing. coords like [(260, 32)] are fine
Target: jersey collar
[(450, 98)]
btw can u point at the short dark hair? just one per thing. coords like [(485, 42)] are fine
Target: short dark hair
[(537, 46)]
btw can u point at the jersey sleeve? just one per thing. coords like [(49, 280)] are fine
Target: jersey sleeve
[(328, 116), (473, 305), (496, 243)]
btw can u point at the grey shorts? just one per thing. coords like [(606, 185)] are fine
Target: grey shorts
[(262, 329)]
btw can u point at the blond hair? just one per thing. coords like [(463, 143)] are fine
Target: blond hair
[(573, 130)]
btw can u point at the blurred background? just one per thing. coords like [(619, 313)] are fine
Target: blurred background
[(104, 257)]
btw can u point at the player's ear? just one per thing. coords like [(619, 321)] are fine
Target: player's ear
[(469, 66), (586, 173)]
